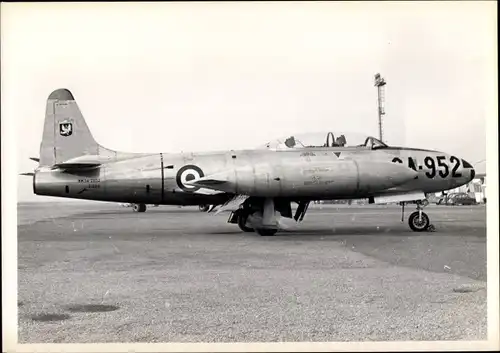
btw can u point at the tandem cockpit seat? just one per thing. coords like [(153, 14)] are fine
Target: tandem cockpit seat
[(339, 142)]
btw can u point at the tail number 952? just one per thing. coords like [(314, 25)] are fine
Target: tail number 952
[(436, 166)]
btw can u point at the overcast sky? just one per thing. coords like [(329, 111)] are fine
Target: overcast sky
[(166, 77)]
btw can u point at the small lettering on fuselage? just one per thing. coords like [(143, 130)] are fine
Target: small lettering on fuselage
[(316, 170), (318, 182), (89, 181)]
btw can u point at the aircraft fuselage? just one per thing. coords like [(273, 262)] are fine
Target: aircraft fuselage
[(310, 173)]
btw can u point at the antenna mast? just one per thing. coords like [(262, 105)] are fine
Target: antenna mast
[(380, 83)]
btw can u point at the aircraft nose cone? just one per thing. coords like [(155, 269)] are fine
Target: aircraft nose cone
[(468, 166), (472, 174)]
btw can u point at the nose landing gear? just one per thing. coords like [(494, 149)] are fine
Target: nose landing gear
[(418, 220)]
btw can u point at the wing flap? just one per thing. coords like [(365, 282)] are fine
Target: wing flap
[(233, 204)]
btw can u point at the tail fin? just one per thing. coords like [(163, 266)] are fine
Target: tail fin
[(65, 132)]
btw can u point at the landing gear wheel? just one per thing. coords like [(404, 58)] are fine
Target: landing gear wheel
[(265, 232), (242, 220), (418, 224), (204, 208), (139, 207)]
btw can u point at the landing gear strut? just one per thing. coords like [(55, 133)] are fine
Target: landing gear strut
[(418, 220)]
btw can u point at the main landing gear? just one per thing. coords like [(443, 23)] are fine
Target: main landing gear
[(418, 220), (204, 208), (261, 215), (139, 207), (241, 216)]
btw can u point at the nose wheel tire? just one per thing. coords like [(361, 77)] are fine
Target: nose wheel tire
[(418, 224), (139, 207)]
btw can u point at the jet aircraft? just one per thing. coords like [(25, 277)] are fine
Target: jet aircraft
[(258, 186)]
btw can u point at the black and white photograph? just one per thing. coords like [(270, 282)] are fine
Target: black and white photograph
[(274, 176)]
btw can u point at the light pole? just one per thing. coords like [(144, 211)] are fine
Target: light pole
[(380, 83)]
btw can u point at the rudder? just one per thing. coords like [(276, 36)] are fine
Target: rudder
[(65, 132)]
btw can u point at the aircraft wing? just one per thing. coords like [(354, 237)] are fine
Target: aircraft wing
[(82, 162), (204, 191), (394, 197)]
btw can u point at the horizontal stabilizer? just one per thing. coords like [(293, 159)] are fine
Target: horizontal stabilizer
[(82, 162), (74, 166)]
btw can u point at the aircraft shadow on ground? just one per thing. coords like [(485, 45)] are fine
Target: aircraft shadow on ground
[(153, 211), (396, 230), (337, 232), (128, 213)]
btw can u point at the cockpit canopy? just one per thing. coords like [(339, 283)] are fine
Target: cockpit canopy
[(325, 139)]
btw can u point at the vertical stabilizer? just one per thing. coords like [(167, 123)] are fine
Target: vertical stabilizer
[(65, 132)]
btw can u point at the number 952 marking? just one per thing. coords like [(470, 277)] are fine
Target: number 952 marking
[(437, 166)]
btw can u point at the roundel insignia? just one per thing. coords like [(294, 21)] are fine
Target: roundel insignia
[(188, 173)]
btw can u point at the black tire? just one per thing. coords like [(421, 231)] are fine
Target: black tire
[(266, 232), (416, 225), (139, 207), (204, 208), (242, 220)]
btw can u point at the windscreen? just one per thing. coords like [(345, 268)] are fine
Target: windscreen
[(323, 139)]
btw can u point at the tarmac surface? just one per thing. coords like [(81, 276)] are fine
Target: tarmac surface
[(98, 272)]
